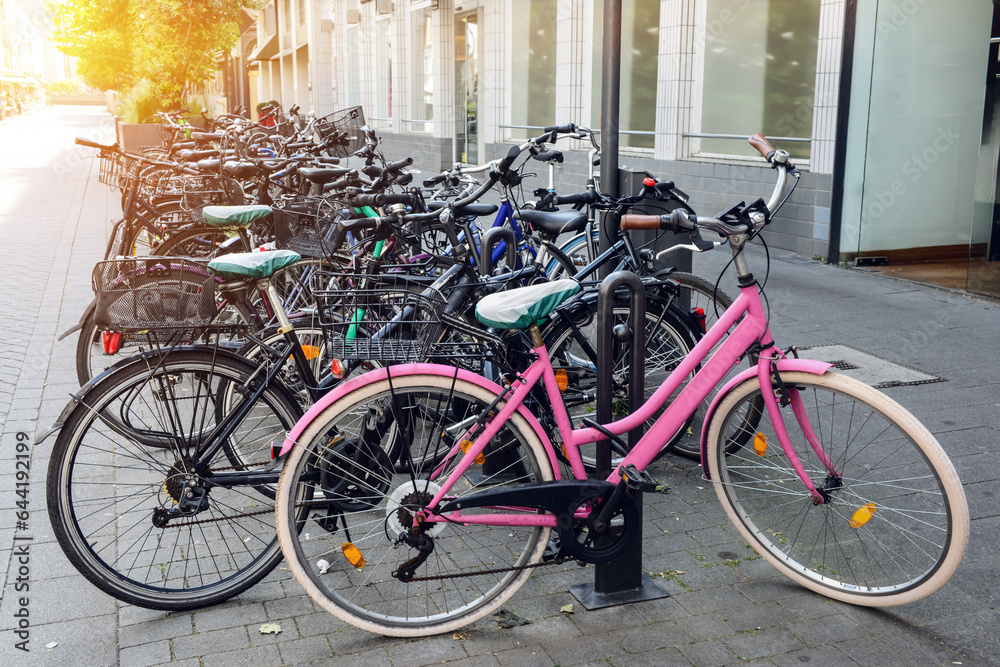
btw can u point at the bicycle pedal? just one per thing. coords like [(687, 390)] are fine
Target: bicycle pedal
[(636, 479)]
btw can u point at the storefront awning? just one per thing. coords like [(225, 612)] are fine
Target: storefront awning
[(267, 50)]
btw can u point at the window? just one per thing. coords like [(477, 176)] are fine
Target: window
[(353, 66), (533, 65), (422, 60), (302, 11), (759, 73), (286, 15), (639, 58), (383, 69)]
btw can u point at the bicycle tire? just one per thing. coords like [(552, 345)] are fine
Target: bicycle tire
[(668, 341), (896, 524), (372, 599), (197, 241), (104, 490)]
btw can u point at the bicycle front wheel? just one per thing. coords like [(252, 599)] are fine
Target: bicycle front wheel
[(348, 553), (895, 524), (129, 460)]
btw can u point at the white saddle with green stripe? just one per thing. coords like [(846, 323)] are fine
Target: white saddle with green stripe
[(252, 265), (222, 217), (520, 308)]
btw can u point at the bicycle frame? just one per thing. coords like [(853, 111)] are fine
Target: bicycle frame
[(748, 332)]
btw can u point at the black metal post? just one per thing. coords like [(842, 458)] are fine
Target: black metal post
[(610, 92), (622, 580)]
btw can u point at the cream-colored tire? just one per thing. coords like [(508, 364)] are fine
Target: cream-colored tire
[(896, 524)]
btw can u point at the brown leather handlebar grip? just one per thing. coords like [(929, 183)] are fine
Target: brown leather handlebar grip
[(760, 142), (637, 221)]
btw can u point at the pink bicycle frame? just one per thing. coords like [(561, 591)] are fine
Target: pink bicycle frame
[(751, 329)]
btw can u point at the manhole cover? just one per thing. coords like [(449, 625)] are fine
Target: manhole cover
[(868, 368)]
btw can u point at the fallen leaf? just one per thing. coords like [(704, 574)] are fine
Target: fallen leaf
[(270, 629), (568, 608), (508, 619)]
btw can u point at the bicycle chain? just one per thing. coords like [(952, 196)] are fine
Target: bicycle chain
[(459, 575)]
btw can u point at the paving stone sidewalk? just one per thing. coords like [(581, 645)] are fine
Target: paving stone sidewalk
[(726, 607)]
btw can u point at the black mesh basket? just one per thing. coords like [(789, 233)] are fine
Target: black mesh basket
[(344, 127), (201, 191), (166, 294), (307, 226), (379, 318)]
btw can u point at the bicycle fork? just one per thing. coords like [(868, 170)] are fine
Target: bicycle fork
[(765, 366)]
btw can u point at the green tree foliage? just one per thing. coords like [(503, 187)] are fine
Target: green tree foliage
[(100, 33), (170, 44)]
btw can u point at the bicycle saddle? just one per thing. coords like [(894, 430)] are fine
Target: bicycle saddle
[(322, 175), (257, 265), (234, 216), (553, 223), (520, 308)]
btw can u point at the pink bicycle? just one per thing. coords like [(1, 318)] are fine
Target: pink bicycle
[(831, 481)]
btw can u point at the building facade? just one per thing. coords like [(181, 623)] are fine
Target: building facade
[(448, 81)]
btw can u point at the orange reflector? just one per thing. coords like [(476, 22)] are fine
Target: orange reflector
[(311, 352), (862, 515), (337, 369), (353, 555), (465, 445), (562, 380), (760, 444)]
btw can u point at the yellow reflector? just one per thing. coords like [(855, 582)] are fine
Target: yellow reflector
[(353, 555), (311, 352), (466, 445), (862, 515), (760, 444), (562, 380)]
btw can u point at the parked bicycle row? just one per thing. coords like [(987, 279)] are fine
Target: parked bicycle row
[(393, 387)]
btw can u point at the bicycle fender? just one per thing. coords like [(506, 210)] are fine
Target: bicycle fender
[(91, 307), (402, 371), (801, 365)]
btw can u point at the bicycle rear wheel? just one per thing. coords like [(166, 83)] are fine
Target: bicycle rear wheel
[(128, 452), (360, 501), (896, 523)]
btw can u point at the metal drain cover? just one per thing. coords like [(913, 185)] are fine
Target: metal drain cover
[(868, 368)]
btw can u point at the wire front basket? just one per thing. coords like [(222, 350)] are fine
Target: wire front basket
[(307, 226), (345, 127), (113, 168), (165, 294), (366, 319)]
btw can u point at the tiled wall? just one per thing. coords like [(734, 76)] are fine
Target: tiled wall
[(802, 225)]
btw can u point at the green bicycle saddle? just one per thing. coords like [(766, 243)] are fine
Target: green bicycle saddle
[(520, 308), (234, 216), (256, 265)]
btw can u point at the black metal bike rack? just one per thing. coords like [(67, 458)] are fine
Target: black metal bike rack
[(490, 238), (621, 581)]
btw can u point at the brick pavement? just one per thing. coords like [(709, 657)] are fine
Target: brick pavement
[(727, 605)]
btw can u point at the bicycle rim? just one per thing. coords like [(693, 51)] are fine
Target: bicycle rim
[(360, 499), (106, 490), (896, 523)]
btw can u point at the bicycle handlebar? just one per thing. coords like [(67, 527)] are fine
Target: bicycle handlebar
[(80, 141), (588, 197)]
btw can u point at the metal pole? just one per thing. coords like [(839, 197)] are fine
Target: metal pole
[(622, 580), (610, 93)]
